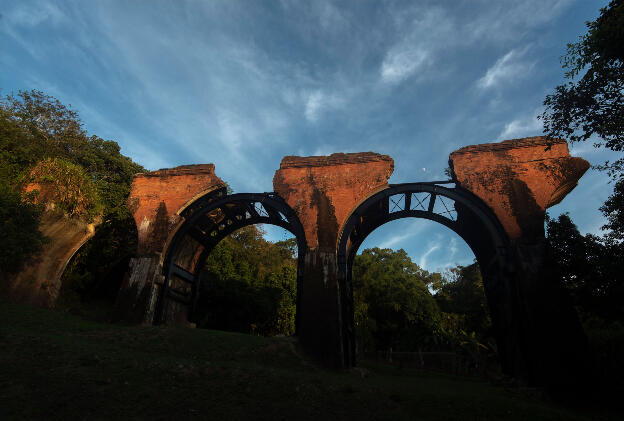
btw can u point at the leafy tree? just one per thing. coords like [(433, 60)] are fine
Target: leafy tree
[(593, 104), (38, 129), (19, 234), (590, 268), (249, 285), (613, 210), (67, 185), (392, 300), (462, 295)]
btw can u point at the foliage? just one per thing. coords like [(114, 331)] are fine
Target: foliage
[(37, 128), (590, 267), (613, 210), (461, 298), (19, 234), (249, 285), (68, 186), (593, 104), (392, 300), (399, 306)]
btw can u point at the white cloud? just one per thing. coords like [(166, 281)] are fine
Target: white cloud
[(401, 64), (420, 34), (317, 102), (423, 259), (401, 239), (313, 104), (524, 126), (509, 67)]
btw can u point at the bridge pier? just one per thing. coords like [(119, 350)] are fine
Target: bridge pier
[(500, 199), (323, 191), (156, 201), (539, 335)]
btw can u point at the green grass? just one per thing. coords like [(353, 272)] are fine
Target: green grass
[(57, 366)]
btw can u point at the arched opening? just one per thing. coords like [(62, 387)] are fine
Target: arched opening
[(453, 207), (207, 221), (419, 301), (248, 283), (91, 278)]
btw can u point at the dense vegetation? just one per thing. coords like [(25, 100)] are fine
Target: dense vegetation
[(42, 141), (400, 307), (249, 285), (591, 105)]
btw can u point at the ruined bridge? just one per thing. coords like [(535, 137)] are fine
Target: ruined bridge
[(496, 201)]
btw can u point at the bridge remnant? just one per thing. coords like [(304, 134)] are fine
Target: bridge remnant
[(323, 191), (519, 179), (40, 281), (504, 187), (156, 200)]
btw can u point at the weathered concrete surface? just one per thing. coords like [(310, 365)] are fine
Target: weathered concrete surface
[(518, 179), (155, 201), (323, 191), (40, 281)]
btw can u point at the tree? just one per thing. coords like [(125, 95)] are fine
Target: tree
[(40, 140), (593, 104), (590, 268), (20, 237), (613, 210), (462, 295), (392, 300), (249, 285)]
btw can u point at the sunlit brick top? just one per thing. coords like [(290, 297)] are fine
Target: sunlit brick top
[(333, 159)]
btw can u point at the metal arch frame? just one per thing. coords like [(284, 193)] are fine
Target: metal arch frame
[(274, 206), (375, 212)]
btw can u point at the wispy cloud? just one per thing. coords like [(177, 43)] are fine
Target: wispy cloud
[(523, 126), (400, 64), (35, 14), (397, 240), (318, 102), (510, 67), (424, 30), (423, 259)]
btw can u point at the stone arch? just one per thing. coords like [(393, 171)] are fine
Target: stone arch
[(206, 222), (453, 207)]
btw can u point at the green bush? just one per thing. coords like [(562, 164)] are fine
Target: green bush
[(20, 237)]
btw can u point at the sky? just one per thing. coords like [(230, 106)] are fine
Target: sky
[(242, 84)]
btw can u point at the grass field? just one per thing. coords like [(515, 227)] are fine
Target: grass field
[(57, 366)]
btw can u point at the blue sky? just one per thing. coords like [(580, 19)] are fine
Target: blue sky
[(243, 83)]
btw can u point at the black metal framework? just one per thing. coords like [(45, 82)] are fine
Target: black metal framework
[(454, 207), (207, 221)]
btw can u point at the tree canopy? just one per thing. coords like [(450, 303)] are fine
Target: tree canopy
[(592, 102), (43, 141), (249, 285)]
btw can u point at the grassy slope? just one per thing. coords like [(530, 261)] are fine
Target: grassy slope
[(54, 365)]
